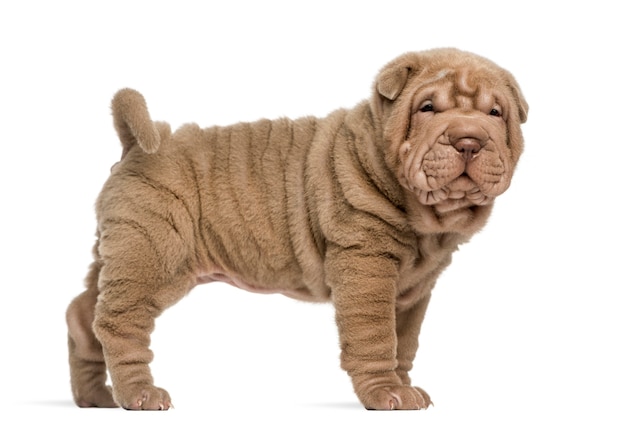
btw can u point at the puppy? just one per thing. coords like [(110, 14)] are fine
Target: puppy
[(362, 208)]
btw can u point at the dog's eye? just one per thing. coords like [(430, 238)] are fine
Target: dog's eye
[(427, 107), (495, 112)]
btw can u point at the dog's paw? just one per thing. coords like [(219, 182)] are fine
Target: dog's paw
[(399, 397), (144, 397)]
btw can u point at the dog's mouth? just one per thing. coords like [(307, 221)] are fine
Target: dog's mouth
[(461, 192), (449, 179)]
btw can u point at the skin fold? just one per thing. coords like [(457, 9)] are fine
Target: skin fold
[(362, 208)]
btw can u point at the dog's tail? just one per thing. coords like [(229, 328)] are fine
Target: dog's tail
[(133, 123)]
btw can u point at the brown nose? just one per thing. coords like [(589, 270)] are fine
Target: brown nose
[(467, 137), (467, 146)]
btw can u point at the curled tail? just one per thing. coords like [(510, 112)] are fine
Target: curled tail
[(133, 123)]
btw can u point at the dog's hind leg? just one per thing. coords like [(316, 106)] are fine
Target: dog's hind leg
[(145, 270), (87, 366)]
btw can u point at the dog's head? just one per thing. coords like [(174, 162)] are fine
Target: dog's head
[(451, 124)]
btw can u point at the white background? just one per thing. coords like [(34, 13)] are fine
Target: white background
[(526, 326)]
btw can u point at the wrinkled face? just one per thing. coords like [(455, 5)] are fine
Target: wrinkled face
[(461, 135), (456, 153)]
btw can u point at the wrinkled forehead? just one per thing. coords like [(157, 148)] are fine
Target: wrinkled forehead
[(467, 80), (464, 82)]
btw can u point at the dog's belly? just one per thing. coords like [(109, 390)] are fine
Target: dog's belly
[(216, 276)]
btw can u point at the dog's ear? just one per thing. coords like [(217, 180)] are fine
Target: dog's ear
[(392, 79), (520, 101)]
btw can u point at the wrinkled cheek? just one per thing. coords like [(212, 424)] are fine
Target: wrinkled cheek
[(491, 174), (407, 166), (488, 166), (430, 168), (442, 165)]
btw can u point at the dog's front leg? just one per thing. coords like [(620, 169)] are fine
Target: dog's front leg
[(408, 325), (364, 295)]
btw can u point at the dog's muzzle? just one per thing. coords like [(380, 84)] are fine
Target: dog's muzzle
[(456, 164)]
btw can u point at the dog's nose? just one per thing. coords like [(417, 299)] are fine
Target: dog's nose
[(467, 146), (467, 138)]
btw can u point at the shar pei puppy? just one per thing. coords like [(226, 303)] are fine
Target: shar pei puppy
[(362, 208)]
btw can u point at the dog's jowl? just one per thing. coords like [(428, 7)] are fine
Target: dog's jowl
[(362, 208)]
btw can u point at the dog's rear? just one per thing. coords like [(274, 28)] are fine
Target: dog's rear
[(170, 199), (87, 362)]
